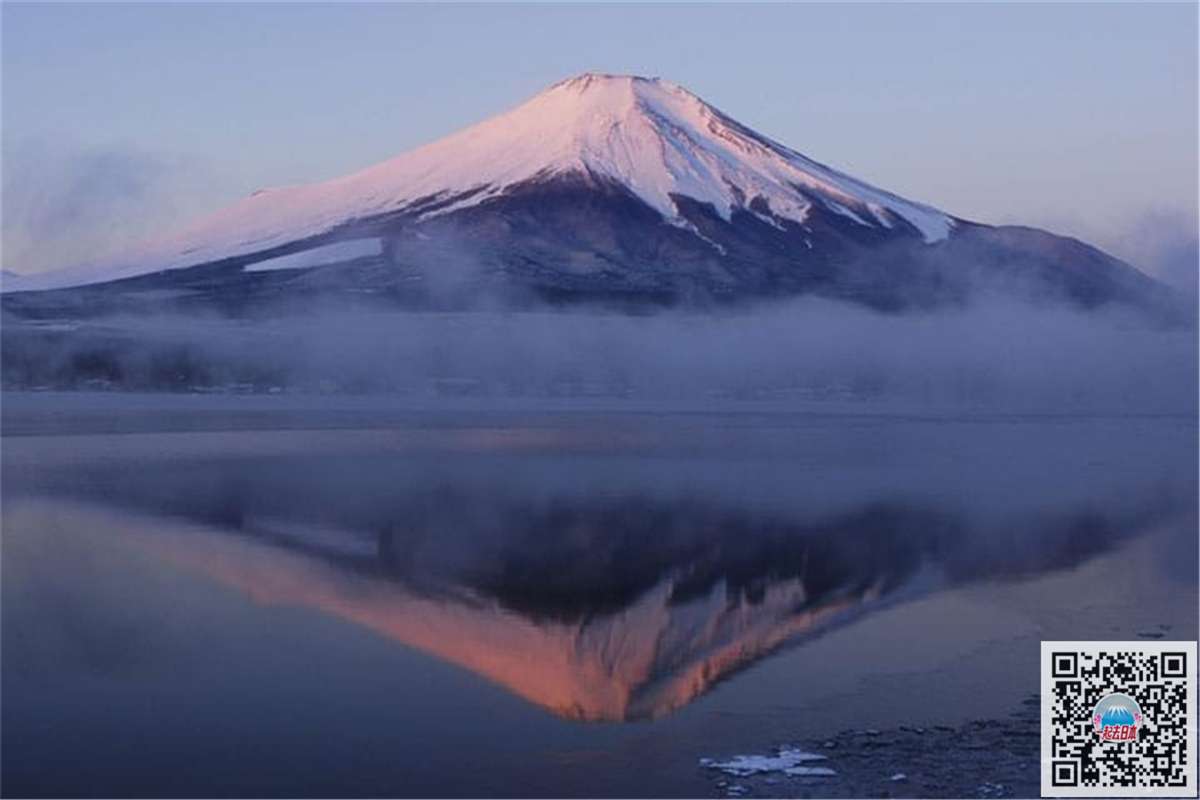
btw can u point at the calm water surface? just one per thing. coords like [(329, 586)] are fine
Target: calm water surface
[(215, 597)]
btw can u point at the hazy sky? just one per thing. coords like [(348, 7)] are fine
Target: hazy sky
[(119, 119)]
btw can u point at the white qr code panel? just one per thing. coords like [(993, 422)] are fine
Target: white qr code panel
[(1118, 719)]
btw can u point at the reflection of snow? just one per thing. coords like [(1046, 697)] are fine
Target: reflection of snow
[(788, 761), (650, 658)]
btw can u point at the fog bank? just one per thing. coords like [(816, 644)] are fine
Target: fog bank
[(991, 356)]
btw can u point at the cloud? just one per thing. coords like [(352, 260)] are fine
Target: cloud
[(65, 206), (1165, 244), (1162, 242), (994, 355)]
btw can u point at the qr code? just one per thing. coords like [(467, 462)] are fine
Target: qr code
[(1118, 719)]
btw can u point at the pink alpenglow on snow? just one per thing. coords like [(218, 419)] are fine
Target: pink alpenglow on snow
[(653, 137)]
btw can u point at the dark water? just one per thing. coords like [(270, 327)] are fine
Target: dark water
[(235, 600)]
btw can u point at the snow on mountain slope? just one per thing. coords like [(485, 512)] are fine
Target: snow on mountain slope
[(653, 137), (322, 254)]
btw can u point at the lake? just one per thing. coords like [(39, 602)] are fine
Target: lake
[(304, 596)]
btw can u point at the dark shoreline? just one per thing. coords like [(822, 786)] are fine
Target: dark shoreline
[(983, 758)]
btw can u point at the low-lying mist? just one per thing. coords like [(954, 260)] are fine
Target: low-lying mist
[(996, 355)]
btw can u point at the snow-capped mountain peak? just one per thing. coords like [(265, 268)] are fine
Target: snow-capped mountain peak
[(606, 188), (654, 138), (659, 140)]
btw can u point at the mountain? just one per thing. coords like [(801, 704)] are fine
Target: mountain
[(600, 187)]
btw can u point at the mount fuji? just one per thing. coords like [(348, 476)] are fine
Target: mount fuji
[(600, 188)]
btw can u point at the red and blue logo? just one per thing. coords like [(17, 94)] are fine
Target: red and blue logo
[(1117, 718)]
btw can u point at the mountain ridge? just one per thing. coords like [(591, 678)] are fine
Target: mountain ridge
[(613, 185)]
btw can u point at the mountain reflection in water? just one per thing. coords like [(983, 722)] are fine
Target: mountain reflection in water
[(607, 602)]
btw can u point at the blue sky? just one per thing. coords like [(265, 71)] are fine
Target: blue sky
[(121, 119)]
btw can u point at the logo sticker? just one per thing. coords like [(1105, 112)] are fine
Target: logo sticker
[(1117, 718)]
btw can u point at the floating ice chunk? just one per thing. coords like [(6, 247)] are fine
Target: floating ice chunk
[(899, 776), (809, 772), (786, 761)]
